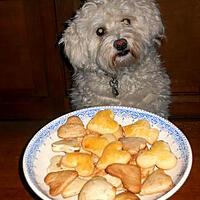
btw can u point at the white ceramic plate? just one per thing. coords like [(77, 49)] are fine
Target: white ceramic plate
[(38, 152)]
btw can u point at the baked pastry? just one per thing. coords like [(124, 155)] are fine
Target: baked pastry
[(72, 128), (141, 128), (145, 172), (97, 189), (113, 153), (159, 155), (55, 164), (133, 144), (57, 181), (95, 144), (110, 137), (103, 122), (130, 176), (157, 182), (115, 181), (119, 133), (81, 162), (67, 145), (126, 196), (74, 188)]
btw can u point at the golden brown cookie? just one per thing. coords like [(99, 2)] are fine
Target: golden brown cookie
[(57, 181), (126, 196), (157, 182), (141, 128), (113, 153), (55, 164), (159, 155), (133, 144), (67, 145), (130, 176), (74, 188), (94, 144), (103, 122), (72, 128), (97, 189), (81, 162)]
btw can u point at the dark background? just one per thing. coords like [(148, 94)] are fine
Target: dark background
[(34, 79)]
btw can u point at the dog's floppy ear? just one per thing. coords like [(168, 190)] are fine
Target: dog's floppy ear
[(74, 46), (156, 27)]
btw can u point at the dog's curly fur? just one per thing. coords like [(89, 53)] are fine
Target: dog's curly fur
[(89, 45)]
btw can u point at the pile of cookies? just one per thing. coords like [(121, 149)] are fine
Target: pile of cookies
[(107, 161)]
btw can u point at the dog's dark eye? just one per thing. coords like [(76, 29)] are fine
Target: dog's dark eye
[(126, 21), (100, 31)]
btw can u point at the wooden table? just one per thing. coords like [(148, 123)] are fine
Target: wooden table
[(15, 136)]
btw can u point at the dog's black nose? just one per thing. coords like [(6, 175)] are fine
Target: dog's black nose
[(120, 44)]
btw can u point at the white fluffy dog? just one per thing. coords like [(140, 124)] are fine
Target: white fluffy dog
[(112, 45)]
